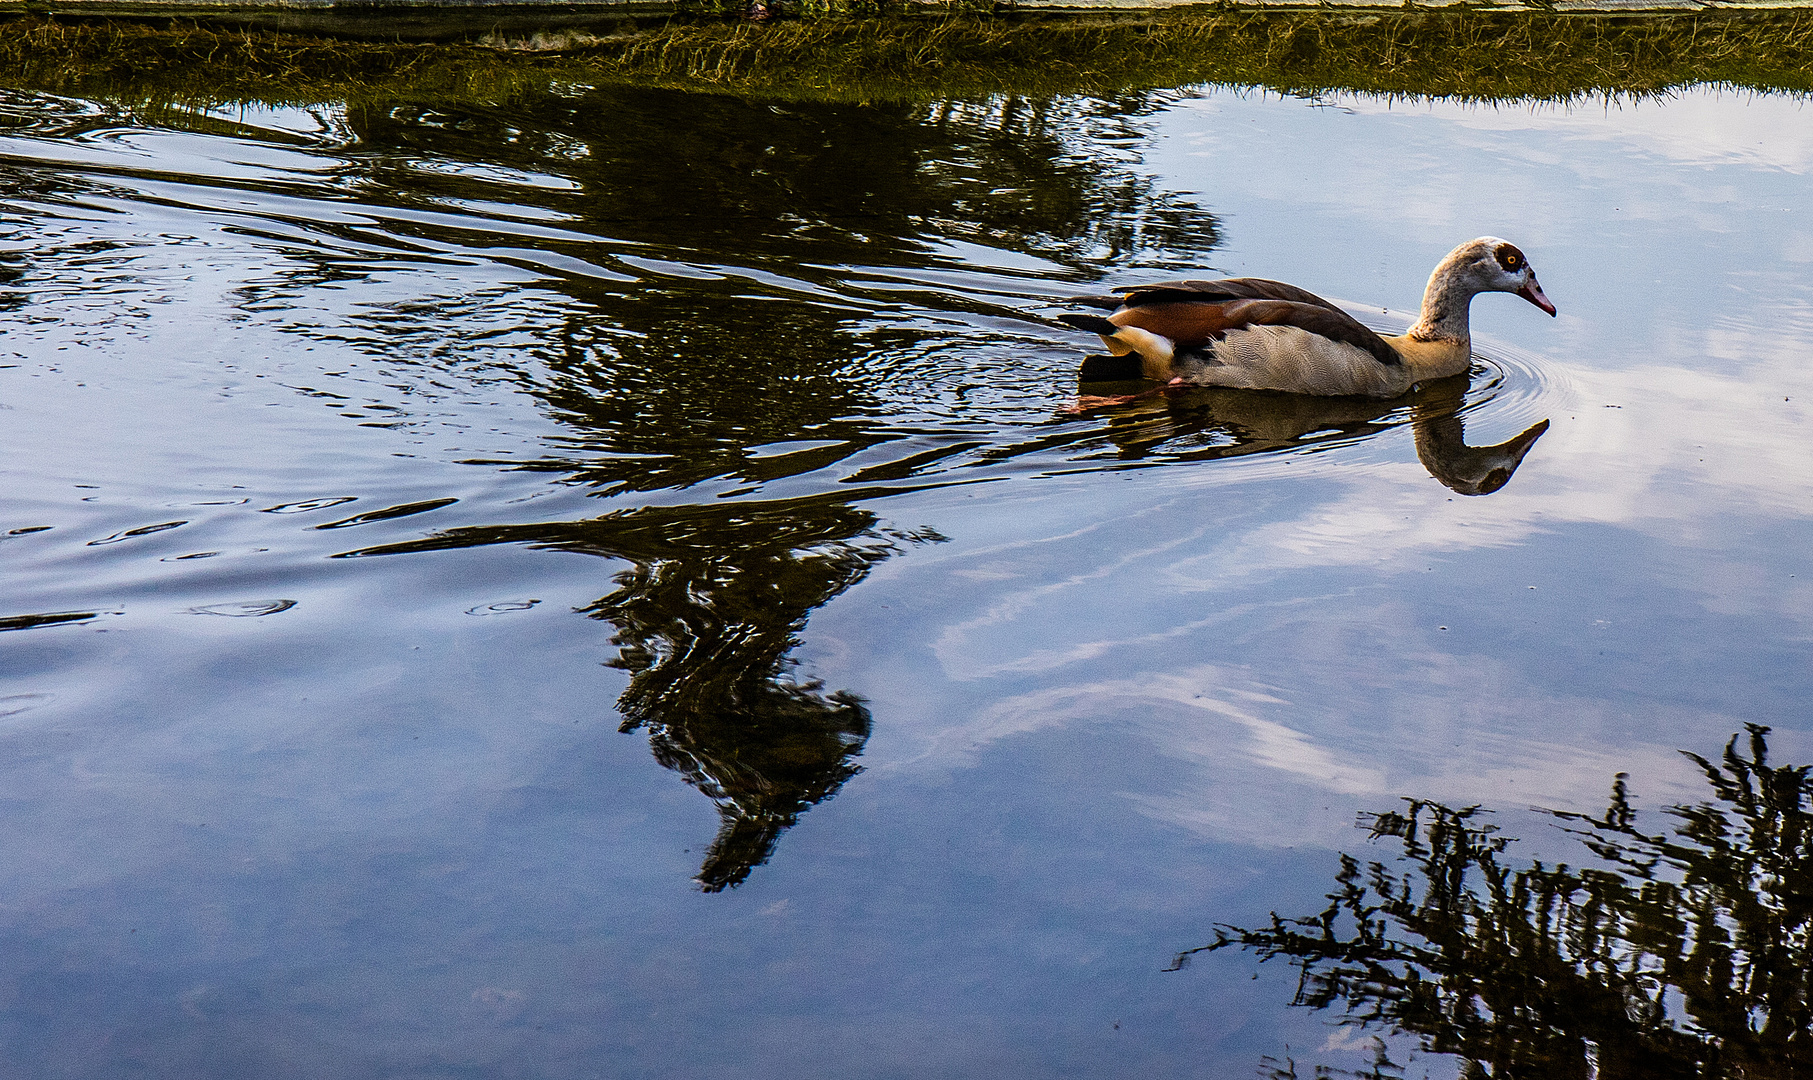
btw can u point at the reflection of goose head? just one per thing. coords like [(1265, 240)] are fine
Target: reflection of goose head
[(1442, 447), (1472, 470)]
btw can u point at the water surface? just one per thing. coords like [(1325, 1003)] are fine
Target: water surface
[(617, 584)]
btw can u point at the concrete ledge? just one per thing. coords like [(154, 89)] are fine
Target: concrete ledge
[(398, 15), (409, 20), (1591, 7)]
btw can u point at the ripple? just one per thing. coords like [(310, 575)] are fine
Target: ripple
[(1514, 386), (308, 504), (389, 512), (245, 609), (643, 354), (142, 530), (502, 607), (14, 704)]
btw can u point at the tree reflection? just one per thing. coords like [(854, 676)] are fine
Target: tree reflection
[(706, 619), (683, 371), (809, 183), (666, 227), (707, 616), (760, 272), (1684, 953)]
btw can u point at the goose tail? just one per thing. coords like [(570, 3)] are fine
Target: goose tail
[(1095, 324), (1121, 340)]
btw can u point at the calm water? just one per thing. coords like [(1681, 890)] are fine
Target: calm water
[(453, 557)]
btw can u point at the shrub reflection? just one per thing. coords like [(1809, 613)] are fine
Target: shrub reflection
[(707, 617), (1684, 953)]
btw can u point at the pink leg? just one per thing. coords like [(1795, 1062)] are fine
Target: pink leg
[(1088, 402)]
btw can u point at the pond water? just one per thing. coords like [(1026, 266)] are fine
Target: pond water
[(454, 555)]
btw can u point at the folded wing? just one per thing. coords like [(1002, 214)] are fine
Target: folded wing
[(1195, 324), (1196, 313)]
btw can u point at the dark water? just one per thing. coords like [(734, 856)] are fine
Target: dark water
[(454, 556)]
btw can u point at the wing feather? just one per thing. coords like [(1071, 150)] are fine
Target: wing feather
[(1220, 289), (1195, 323)]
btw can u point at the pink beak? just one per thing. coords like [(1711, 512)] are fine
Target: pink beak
[(1533, 293)]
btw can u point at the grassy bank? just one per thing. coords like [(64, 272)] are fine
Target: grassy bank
[(1401, 52)]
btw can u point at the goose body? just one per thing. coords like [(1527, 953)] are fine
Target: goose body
[(1266, 335)]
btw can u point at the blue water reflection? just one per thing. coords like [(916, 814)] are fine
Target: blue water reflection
[(785, 437)]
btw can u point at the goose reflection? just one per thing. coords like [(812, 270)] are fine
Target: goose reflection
[(1262, 421), (1683, 953), (1441, 442)]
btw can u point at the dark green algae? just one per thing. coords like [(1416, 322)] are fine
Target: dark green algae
[(907, 56)]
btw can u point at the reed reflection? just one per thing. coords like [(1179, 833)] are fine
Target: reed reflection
[(1681, 953), (707, 616)]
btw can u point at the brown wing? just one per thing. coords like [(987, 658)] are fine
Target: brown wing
[(1166, 292), (1223, 289), (1193, 324)]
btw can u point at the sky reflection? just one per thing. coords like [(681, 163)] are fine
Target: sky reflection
[(1074, 687)]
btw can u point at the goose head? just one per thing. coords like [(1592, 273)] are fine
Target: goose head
[(1487, 264), (1490, 264)]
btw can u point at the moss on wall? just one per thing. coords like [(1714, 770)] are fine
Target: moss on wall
[(1474, 55)]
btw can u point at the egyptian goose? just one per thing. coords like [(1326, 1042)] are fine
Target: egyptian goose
[(1266, 335)]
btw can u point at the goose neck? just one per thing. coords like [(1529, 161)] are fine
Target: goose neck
[(1446, 304)]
